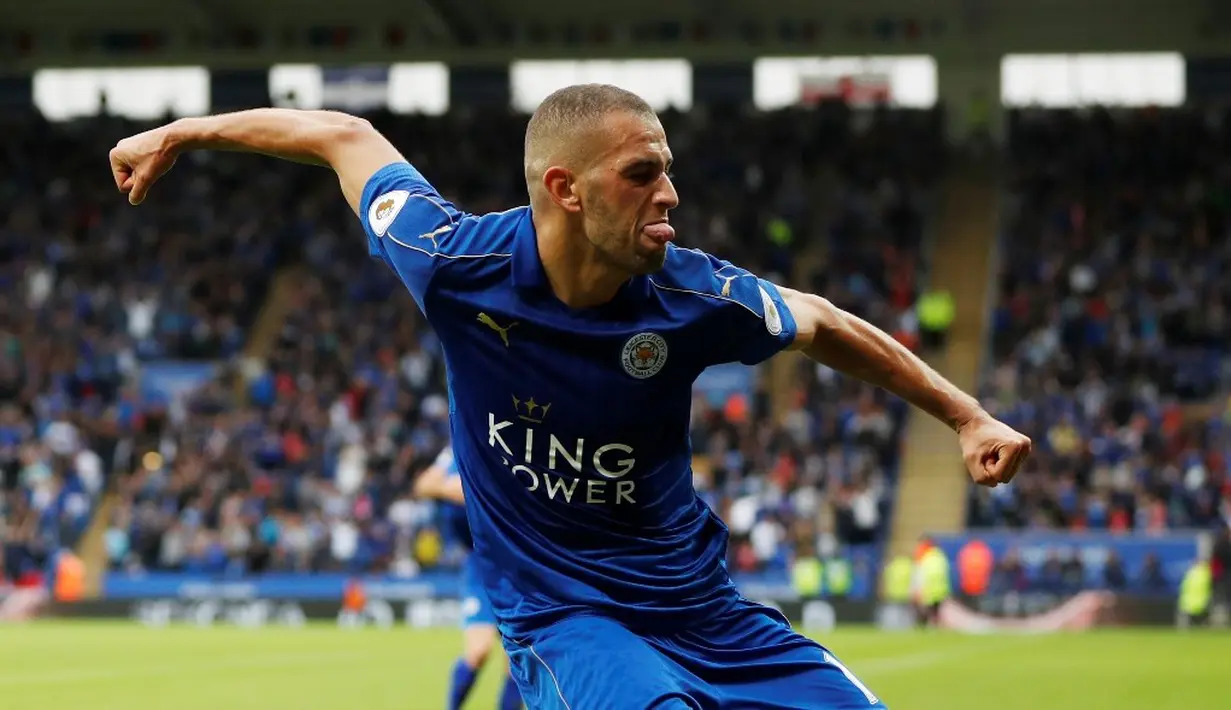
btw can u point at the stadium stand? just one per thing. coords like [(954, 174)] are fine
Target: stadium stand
[(96, 296), (1110, 333), (312, 472), (834, 459)]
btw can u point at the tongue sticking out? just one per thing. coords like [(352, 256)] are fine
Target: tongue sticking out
[(661, 233)]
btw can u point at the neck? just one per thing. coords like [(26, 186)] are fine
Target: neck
[(578, 275)]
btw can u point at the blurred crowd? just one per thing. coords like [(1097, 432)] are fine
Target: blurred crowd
[(91, 289), (819, 483), (1110, 336), (1064, 571), (303, 461)]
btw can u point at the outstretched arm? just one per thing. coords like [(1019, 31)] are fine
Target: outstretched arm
[(347, 144), (404, 217), (829, 335)]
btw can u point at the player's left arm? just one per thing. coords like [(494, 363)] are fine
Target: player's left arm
[(851, 345)]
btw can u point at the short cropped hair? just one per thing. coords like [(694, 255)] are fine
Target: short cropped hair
[(569, 112)]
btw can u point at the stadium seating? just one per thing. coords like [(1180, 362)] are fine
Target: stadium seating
[(833, 462), (96, 295), (1111, 332)]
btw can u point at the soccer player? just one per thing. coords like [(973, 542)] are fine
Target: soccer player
[(442, 482), (573, 330)]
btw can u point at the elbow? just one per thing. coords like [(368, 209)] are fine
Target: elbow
[(838, 339), (351, 131), (822, 330), (818, 321), (342, 134), (354, 127)]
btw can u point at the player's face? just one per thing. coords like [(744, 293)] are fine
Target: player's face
[(627, 194)]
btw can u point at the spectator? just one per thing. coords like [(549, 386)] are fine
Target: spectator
[(1220, 564), (1072, 572), (1114, 577), (936, 313), (1153, 579), (1009, 574)]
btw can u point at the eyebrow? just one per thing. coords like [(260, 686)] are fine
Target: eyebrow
[(642, 163)]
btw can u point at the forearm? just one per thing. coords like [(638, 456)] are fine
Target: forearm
[(310, 137), (853, 346)]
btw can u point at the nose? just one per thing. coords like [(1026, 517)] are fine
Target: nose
[(666, 197)]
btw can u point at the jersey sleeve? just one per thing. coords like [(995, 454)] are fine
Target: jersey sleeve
[(405, 220), (750, 322)]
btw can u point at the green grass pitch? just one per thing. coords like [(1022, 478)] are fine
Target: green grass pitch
[(121, 666)]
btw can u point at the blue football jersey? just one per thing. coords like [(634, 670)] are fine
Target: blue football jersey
[(570, 426), (452, 515)]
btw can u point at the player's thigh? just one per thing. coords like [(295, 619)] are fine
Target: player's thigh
[(479, 641), (479, 631), (591, 663), (752, 658), (476, 605), (477, 610)]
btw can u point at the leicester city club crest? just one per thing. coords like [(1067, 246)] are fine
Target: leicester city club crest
[(644, 355)]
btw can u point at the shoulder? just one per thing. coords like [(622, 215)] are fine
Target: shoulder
[(705, 280), (402, 208), (481, 236), (749, 311)]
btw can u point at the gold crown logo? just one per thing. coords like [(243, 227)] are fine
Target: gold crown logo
[(529, 410)]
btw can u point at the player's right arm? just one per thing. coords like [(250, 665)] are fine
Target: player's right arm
[(347, 144), (397, 206)]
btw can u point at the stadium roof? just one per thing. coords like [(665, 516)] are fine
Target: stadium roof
[(252, 32), (471, 15), (482, 16)]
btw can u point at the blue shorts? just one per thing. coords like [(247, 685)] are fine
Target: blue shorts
[(750, 658), (476, 607)]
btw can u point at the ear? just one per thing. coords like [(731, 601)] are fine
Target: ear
[(561, 184)]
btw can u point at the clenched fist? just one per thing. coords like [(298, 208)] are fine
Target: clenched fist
[(993, 451), (138, 161)]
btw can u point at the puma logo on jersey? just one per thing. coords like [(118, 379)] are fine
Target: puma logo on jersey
[(436, 233), (502, 332)]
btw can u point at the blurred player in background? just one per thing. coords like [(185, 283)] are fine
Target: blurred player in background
[(442, 482), (573, 332)]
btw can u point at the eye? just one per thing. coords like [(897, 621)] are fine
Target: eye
[(643, 176)]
